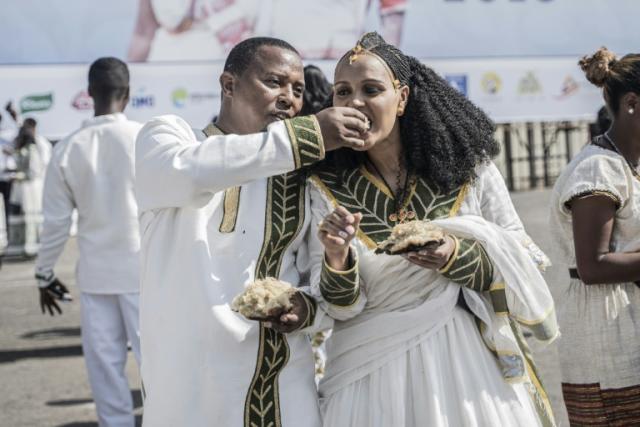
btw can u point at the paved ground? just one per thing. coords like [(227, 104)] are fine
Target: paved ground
[(42, 374)]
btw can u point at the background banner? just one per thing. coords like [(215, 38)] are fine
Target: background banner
[(514, 58)]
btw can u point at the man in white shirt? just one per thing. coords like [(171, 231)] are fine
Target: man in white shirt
[(212, 220), (92, 170)]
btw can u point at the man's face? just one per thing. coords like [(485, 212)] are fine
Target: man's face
[(270, 89)]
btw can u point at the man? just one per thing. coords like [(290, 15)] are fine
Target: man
[(92, 171), (211, 222)]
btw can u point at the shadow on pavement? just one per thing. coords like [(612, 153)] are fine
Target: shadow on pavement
[(69, 402), (92, 424), (47, 334), (8, 356), (135, 395)]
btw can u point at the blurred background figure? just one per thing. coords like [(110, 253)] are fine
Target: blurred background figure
[(317, 91), (602, 123), (327, 29), (169, 29), (31, 153)]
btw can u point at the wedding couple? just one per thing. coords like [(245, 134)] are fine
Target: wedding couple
[(429, 339)]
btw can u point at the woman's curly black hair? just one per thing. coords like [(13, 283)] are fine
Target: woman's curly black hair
[(443, 134)]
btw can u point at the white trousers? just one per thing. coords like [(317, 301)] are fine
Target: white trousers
[(108, 322)]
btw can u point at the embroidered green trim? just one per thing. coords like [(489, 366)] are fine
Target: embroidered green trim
[(306, 140), (285, 211), (340, 288), (472, 267)]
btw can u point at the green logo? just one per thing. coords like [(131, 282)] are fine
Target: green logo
[(179, 97), (41, 102)]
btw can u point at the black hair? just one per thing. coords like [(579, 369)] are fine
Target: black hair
[(617, 76), (444, 135), (244, 53), (317, 91), (109, 78)]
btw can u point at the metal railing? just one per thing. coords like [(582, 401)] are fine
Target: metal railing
[(534, 154)]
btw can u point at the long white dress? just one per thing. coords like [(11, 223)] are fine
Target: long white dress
[(404, 352), (600, 347)]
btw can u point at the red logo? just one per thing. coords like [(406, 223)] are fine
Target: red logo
[(82, 101)]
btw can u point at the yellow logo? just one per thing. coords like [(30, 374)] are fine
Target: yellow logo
[(491, 83)]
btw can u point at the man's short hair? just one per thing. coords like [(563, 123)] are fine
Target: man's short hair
[(244, 53), (109, 78)]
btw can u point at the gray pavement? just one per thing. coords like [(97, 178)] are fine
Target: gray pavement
[(42, 375)]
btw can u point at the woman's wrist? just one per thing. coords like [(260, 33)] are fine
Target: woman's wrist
[(337, 259)]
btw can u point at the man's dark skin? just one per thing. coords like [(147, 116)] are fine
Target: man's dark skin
[(104, 102), (271, 89)]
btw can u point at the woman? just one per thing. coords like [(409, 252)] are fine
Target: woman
[(596, 222), (430, 339)]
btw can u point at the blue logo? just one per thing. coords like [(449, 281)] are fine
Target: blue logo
[(142, 100), (457, 81)]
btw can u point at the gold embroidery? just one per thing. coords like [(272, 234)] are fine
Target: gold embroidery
[(230, 208), (306, 140), (231, 202)]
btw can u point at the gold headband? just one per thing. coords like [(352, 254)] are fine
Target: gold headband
[(357, 51)]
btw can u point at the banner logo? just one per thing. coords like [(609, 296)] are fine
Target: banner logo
[(491, 83), (457, 81), (180, 97), (143, 100), (82, 101), (41, 102), (529, 84), (569, 87)]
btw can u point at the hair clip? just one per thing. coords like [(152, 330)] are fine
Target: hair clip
[(356, 53)]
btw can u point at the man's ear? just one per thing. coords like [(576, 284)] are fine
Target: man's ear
[(227, 84)]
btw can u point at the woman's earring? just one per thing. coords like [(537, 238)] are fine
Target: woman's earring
[(631, 111), (400, 111)]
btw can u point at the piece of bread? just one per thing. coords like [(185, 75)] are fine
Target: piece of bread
[(411, 236), (263, 299)]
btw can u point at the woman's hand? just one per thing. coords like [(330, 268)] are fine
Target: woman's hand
[(335, 232), (436, 258)]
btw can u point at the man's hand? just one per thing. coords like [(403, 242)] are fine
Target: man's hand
[(342, 127), (436, 258), (52, 289), (291, 320)]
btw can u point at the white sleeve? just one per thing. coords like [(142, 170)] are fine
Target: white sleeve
[(497, 207), (175, 170), (57, 208)]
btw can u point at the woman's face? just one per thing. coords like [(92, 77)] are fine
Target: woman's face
[(366, 85)]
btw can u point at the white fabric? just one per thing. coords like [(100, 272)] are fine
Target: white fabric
[(324, 29), (4, 241), (447, 379), (108, 322), (216, 27), (406, 323), (199, 357), (600, 322), (92, 171), (27, 192)]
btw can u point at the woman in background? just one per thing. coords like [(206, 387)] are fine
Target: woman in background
[(595, 216)]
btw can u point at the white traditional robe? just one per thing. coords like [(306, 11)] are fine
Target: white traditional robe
[(204, 365), (403, 353)]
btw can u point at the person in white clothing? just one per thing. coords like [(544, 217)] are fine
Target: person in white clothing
[(212, 220), (433, 337), (32, 153), (92, 170)]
